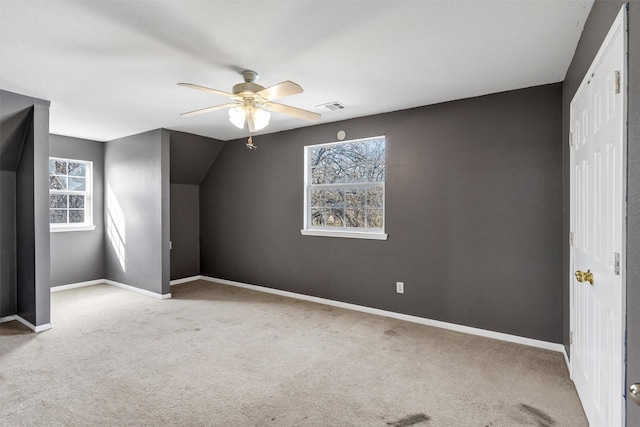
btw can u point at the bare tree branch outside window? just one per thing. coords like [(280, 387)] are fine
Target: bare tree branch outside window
[(346, 185)]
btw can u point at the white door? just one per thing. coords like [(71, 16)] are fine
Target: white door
[(598, 210)]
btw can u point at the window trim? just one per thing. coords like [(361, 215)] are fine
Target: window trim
[(322, 232), (351, 233), (88, 224)]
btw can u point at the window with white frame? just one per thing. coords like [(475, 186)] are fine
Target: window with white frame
[(70, 191), (344, 189)]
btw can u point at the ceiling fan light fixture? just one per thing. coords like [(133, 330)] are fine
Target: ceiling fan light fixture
[(260, 118), (237, 116)]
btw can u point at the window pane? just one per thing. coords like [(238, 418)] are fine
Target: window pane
[(376, 156), (376, 172), (355, 162), (76, 216), (334, 217), (57, 182), (58, 201), (355, 197), (334, 173), (358, 173), (60, 167), (317, 220), (52, 166), (374, 218), (354, 217), (58, 216), (76, 202), (317, 154), (335, 170), (334, 198), (317, 198), (375, 197), (318, 174), (77, 184), (318, 162), (77, 169)]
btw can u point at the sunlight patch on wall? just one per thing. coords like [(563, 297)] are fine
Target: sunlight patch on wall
[(116, 228)]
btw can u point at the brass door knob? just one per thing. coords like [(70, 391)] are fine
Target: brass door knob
[(582, 276), (634, 392)]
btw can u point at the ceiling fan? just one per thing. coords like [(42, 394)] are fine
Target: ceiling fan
[(252, 103)]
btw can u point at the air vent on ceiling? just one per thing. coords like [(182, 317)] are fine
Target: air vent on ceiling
[(332, 106)]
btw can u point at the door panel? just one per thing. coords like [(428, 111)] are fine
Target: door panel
[(597, 221)]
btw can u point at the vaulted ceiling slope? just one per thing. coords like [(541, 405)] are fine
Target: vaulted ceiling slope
[(110, 68), (15, 116)]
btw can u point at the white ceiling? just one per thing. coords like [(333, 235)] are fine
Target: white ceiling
[(110, 68)]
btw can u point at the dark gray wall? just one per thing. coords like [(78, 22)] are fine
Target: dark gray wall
[(191, 156), (40, 129), (600, 19), (137, 172), (8, 288), (13, 128), (165, 209), (16, 112), (185, 231), (25, 231), (15, 116), (78, 256), (473, 212), (24, 221), (32, 222)]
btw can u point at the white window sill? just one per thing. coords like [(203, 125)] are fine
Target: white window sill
[(61, 229), (345, 234)]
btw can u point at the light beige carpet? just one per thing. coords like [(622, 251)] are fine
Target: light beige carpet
[(216, 355)]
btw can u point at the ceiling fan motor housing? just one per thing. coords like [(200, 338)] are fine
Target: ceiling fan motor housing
[(249, 86), (246, 87)]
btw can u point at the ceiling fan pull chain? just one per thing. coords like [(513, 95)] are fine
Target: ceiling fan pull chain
[(250, 143)]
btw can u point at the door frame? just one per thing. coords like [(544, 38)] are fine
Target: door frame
[(619, 24)]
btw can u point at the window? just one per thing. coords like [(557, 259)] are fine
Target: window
[(344, 189), (70, 204)]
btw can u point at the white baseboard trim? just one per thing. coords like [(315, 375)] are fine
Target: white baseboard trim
[(137, 290), (566, 359), (415, 319), (77, 285), (184, 280), (111, 283), (406, 317), (7, 319), (39, 328)]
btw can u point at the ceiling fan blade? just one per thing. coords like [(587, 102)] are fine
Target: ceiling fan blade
[(209, 109), (286, 88), (208, 89), (292, 111)]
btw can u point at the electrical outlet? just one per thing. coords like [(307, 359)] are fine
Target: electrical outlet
[(400, 287)]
